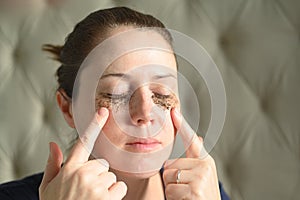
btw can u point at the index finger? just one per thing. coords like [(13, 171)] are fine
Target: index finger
[(192, 143), (84, 145)]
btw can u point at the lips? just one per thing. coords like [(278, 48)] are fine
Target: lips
[(143, 145)]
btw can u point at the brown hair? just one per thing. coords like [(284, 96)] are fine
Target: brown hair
[(91, 31)]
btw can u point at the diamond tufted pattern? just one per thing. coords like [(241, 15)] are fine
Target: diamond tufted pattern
[(255, 44)]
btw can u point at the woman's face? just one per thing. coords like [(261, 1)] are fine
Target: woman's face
[(139, 89), (142, 83)]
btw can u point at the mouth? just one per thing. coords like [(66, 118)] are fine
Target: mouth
[(143, 145)]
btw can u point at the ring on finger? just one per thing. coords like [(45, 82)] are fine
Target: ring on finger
[(178, 174)]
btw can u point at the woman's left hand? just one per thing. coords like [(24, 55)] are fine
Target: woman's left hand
[(191, 177)]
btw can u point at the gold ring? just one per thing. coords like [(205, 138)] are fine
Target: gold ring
[(178, 176)]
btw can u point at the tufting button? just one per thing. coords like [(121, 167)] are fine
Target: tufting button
[(264, 105), (45, 116), (48, 113), (48, 109), (224, 41), (17, 55)]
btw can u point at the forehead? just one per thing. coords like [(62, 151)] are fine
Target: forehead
[(156, 60), (159, 51)]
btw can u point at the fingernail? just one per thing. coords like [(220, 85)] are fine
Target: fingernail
[(102, 112), (201, 139)]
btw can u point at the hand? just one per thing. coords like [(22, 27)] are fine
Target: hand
[(198, 177), (80, 178)]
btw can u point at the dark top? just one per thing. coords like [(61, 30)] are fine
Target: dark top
[(28, 189)]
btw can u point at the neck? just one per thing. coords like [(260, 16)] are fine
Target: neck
[(140, 187)]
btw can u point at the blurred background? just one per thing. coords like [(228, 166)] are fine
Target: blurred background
[(255, 44)]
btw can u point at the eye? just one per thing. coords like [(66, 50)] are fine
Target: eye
[(161, 90), (112, 92), (116, 96), (161, 96)]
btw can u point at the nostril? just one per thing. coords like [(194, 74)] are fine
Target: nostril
[(144, 121)]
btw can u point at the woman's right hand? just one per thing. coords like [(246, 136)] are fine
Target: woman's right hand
[(81, 178)]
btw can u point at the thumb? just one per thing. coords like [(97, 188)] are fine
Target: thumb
[(53, 166)]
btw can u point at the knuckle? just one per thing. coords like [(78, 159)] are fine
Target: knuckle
[(99, 191), (197, 195), (165, 175), (102, 163), (66, 167), (206, 169), (112, 176), (103, 191), (85, 139), (66, 170), (192, 191), (81, 172), (124, 186), (209, 169), (40, 190), (169, 191), (203, 174), (199, 176), (82, 178), (209, 159)]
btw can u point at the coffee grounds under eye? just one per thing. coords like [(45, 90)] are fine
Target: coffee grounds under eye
[(164, 101), (107, 101)]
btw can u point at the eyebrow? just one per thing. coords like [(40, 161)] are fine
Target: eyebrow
[(125, 76), (115, 75), (164, 76)]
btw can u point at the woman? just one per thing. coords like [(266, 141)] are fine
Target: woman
[(85, 175)]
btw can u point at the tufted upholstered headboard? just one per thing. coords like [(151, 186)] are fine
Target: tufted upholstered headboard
[(254, 43)]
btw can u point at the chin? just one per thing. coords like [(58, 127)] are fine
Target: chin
[(143, 175)]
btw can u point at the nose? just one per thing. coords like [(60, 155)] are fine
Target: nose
[(140, 106)]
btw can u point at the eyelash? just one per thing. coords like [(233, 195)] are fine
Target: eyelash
[(116, 96), (128, 95), (161, 96)]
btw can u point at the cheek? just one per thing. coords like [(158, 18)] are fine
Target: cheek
[(112, 132), (169, 131)]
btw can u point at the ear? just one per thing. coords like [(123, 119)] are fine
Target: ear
[(65, 105)]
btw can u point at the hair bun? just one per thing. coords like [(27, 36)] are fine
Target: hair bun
[(55, 50)]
